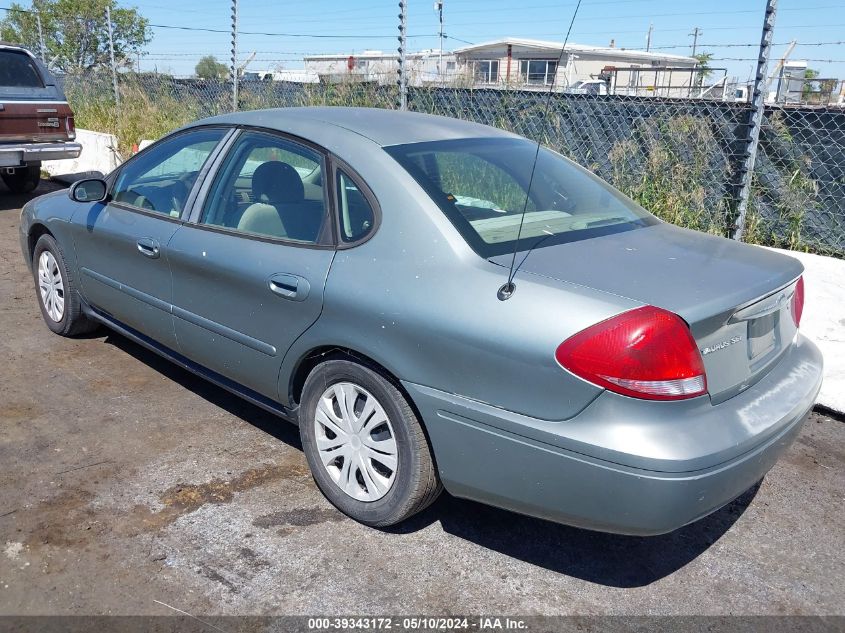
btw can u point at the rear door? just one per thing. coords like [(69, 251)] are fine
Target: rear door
[(250, 269), (122, 245), (32, 108)]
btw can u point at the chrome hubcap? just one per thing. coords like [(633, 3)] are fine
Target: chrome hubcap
[(355, 441), (51, 286)]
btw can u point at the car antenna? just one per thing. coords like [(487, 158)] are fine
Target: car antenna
[(508, 288)]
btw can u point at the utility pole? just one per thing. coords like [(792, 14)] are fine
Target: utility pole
[(755, 119), (648, 38), (403, 75), (234, 68), (439, 8), (111, 55), (41, 38), (695, 33)]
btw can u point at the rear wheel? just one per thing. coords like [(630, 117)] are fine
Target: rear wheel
[(23, 179), (365, 446), (56, 290)]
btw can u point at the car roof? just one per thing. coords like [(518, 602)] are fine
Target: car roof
[(384, 127), (8, 46)]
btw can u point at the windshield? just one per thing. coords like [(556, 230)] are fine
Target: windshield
[(480, 184)]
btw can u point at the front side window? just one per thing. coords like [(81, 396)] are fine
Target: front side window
[(17, 70), (161, 178), (269, 186), (482, 185), (538, 71), (487, 71)]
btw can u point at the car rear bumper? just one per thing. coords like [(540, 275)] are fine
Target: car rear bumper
[(633, 476), (18, 154)]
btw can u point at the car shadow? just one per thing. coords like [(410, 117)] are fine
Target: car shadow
[(229, 402), (607, 559), (12, 201), (612, 560)]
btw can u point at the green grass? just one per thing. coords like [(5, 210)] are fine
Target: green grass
[(666, 168), (140, 115)]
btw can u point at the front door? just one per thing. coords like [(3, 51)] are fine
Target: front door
[(122, 245), (249, 274)]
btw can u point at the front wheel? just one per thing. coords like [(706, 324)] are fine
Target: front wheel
[(366, 448), (56, 290)]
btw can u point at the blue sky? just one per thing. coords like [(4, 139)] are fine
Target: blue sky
[(353, 26)]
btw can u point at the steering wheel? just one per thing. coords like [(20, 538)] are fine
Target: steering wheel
[(179, 191), (144, 203)]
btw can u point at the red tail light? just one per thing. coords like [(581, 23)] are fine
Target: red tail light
[(645, 353), (70, 126), (798, 301)]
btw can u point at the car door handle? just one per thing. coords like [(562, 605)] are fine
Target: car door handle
[(289, 286), (149, 247)]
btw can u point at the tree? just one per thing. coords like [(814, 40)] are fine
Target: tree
[(209, 68), (703, 70), (76, 35), (809, 85)]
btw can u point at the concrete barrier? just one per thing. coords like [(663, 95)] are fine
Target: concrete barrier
[(99, 153), (823, 320)]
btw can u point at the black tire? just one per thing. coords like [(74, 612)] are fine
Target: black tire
[(415, 485), (24, 180), (73, 321)]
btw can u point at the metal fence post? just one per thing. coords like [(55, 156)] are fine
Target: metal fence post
[(111, 56), (403, 74), (234, 69), (755, 118)]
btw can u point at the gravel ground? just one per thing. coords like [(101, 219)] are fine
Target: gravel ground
[(127, 483)]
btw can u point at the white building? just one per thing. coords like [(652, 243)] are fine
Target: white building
[(526, 63), (423, 67)]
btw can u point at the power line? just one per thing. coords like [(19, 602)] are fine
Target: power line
[(755, 45), (753, 59), (315, 35)]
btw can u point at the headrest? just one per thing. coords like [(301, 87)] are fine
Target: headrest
[(277, 182)]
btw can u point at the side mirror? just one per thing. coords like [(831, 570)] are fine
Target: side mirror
[(89, 190)]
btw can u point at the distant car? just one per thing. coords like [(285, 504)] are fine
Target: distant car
[(589, 87), (36, 122), (347, 269)]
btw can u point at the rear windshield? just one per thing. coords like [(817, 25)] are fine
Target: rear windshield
[(18, 70), (481, 185)]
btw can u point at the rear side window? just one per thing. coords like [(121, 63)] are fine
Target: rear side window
[(269, 186), (19, 71), (356, 213)]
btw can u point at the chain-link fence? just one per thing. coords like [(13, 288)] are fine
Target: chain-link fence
[(680, 158)]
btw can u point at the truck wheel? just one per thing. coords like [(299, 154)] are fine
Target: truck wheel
[(367, 451), (58, 296), (24, 179)]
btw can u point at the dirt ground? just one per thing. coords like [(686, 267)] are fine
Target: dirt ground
[(128, 484)]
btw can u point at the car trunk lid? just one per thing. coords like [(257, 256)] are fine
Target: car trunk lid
[(735, 298)]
